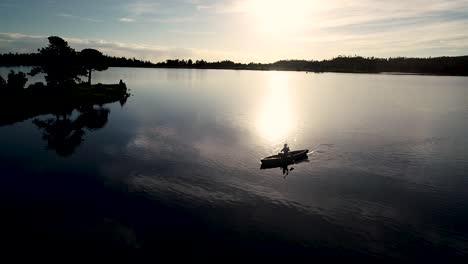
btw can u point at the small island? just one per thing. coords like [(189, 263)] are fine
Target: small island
[(64, 90), (63, 93)]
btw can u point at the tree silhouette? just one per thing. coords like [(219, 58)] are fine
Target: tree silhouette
[(16, 81), (59, 63), (92, 60), (2, 83)]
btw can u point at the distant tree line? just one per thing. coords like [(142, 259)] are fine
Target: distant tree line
[(353, 64), (439, 65), (34, 59)]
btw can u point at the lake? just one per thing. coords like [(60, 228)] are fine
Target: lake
[(175, 171)]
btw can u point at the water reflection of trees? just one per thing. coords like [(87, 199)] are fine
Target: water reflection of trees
[(64, 134)]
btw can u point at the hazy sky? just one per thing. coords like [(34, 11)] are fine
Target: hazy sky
[(240, 30)]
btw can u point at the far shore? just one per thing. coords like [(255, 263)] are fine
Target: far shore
[(437, 66), (281, 70)]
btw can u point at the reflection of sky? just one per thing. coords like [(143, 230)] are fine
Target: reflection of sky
[(199, 119), (193, 139)]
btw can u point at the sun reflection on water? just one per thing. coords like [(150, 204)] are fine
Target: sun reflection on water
[(276, 120)]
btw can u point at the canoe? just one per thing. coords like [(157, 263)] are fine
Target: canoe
[(279, 159)]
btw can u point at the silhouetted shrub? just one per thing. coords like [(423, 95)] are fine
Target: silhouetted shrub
[(2, 83), (59, 62), (37, 86), (16, 81)]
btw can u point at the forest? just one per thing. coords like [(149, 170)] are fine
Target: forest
[(352, 64)]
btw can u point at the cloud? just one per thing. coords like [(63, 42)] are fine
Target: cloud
[(150, 11), (155, 12), (313, 29), (16, 42), (266, 31), (79, 17), (192, 33), (416, 28), (366, 12), (345, 8), (126, 19), (171, 20), (139, 8), (337, 13)]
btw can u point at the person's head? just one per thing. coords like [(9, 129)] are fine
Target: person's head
[(285, 145)]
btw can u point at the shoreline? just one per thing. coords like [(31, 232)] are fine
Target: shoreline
[(282, 70), (286, 70)]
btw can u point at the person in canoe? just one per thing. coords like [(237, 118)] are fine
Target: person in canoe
[(285, 151)]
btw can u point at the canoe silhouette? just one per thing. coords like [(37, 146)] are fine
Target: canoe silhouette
[(279, 159)]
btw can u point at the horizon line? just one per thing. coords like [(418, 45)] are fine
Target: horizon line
[(280, 60)]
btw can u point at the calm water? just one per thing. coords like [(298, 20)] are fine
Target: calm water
[(175, 171)]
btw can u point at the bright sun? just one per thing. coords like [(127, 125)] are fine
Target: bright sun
[(279, 16)]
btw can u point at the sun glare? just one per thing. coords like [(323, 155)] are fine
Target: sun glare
[(276, 121), (277, 16)]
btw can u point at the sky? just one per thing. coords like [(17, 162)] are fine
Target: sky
[(240, 30)]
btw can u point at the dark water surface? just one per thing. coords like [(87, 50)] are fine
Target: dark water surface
[(175, 171)]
